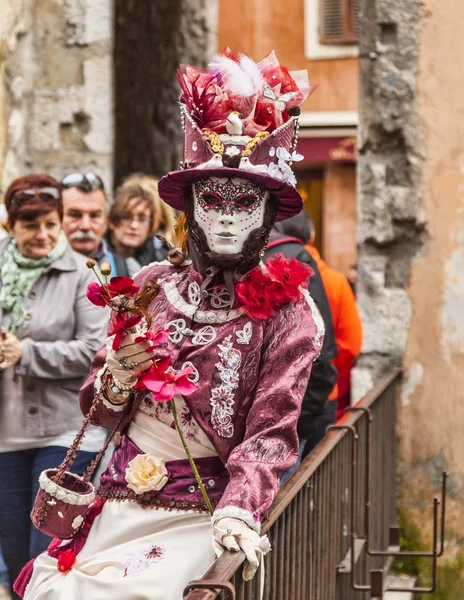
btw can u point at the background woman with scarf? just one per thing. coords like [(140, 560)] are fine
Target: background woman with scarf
[(49, 334)]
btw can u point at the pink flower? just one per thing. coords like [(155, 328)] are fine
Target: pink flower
[(156, 337), (97, 294), (164, 381), (121, 326)]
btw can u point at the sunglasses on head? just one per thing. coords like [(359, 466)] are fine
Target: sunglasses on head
[(23, 195), (85, 182)]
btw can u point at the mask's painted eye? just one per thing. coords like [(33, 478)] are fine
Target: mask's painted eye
[(246, 201), (210, 199)]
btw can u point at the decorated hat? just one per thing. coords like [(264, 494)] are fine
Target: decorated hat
[(240, 119)]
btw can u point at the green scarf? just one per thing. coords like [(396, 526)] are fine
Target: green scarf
[(18, 274)]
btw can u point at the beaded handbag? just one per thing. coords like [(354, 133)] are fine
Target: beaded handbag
[(64, 498)]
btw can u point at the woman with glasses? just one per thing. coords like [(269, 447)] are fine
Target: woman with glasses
[(49, 335), (135, 216)]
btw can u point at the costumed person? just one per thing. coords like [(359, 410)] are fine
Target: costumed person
[(234, 340)]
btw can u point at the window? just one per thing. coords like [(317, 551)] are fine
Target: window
[(324, 19), (339, 21)]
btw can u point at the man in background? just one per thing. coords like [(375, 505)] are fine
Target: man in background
[(85, 209)]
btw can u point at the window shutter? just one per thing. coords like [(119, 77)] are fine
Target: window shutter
[(338, 21)]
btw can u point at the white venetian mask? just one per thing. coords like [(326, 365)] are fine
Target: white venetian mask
[(228, 210)]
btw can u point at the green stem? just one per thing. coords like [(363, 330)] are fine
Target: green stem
[(191, 461), (97, 276)]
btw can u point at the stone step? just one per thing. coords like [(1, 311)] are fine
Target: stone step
[(404, 581)]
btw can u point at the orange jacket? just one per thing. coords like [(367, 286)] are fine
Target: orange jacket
[(346, 322)]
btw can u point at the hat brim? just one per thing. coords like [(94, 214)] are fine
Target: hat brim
[(172, 188)]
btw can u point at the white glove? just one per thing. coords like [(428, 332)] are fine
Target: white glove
[(235, 535), (129, 359)]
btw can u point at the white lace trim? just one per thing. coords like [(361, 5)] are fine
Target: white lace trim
[(200, 316), (238, 513), (316, 316), (60, 493), (98, 383), (164, 263)]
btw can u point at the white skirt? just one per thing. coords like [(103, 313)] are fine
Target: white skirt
[(133, 553)]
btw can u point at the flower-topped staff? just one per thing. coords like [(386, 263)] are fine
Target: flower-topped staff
[(130, 304)]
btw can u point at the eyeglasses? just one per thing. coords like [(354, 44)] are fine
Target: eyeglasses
[(23, 195), (127, 219), (87, 182)]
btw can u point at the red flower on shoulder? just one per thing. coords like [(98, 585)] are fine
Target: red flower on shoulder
[(262, 291), (258, 293), (291, 274)]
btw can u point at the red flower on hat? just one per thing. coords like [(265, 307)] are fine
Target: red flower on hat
[(66, 560), (164, 381)]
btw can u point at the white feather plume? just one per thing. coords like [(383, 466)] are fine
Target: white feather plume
[(250, 68), (235, 79)]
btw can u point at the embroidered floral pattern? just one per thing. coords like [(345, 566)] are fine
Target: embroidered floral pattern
[(147, 557), (222, 396), (161, 411), (178, 329), (244, 335)]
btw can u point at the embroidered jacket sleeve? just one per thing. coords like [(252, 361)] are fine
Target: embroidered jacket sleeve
[(292, 340)]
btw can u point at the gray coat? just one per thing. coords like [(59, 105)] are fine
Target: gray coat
[(62, 332)]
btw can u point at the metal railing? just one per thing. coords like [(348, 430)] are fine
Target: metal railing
[(320, 513)]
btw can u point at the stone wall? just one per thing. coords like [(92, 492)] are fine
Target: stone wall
[(411, 244), (58, 101), (391, 218)]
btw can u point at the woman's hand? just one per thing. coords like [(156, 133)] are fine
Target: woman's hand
[(130, 359), (234, 535), (10, 350)]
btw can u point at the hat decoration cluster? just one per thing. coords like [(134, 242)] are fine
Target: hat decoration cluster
[(242, 115)]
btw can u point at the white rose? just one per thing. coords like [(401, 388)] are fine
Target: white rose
[(146, 473)]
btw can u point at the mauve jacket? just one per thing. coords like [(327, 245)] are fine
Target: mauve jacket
[(252, 378), (59, 337)]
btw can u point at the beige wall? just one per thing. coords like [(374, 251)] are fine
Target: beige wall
[(339, 217), (256, 27), (432, 397)]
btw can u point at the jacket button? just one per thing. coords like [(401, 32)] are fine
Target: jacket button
[(28, 316), (32, 295), (32, 410)]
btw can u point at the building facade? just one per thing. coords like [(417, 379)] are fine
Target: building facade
[(327, 175)]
